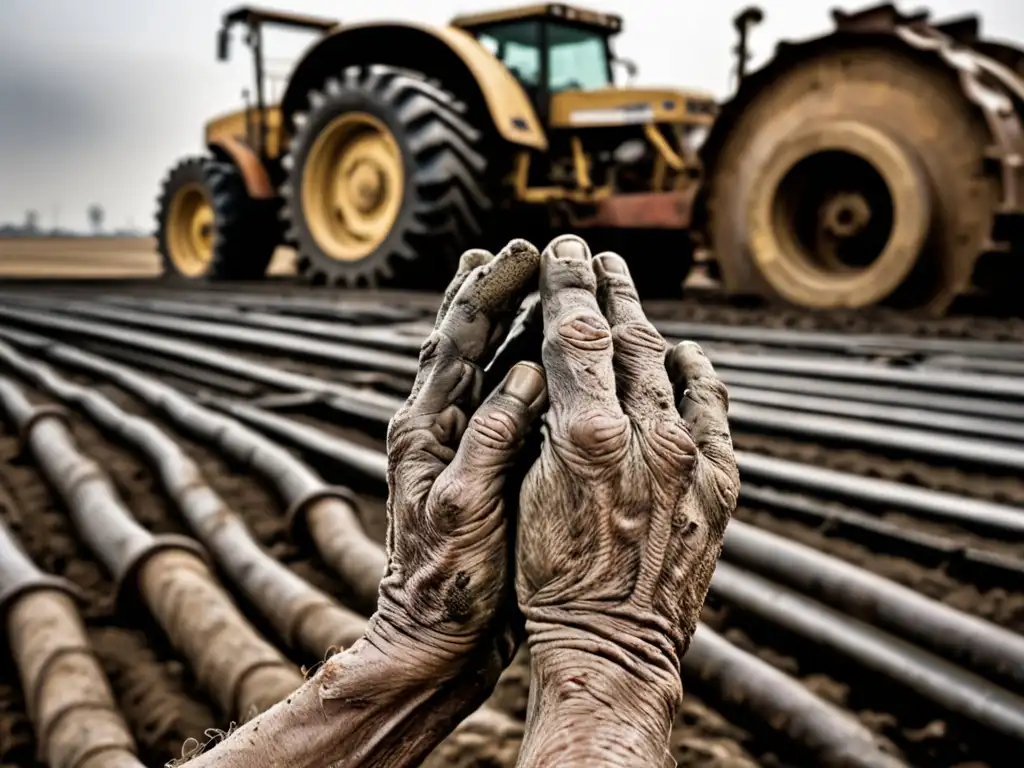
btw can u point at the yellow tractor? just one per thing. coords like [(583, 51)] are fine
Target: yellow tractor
[(396, 146)]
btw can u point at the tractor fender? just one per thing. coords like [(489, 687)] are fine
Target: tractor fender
[(243, 157), (447, 53)]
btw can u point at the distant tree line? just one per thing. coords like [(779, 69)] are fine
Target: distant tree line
[(95, 214)]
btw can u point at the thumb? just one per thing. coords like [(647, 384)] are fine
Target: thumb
[(497, 430)]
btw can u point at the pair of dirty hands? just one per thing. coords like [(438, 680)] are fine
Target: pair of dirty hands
[(611, 537)]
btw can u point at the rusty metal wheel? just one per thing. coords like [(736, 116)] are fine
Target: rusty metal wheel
[(839, 216), (851, 176)]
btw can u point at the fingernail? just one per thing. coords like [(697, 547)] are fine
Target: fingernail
[(571, 249), (525, 382), (611, 264)]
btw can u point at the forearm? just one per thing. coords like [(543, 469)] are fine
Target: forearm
[(588, 710), (366, 706)]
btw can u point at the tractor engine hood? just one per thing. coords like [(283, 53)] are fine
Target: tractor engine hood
[(609, 107)]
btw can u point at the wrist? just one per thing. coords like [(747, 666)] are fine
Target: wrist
[(415, 654), (644, 645), (586, 708), (420, 655)]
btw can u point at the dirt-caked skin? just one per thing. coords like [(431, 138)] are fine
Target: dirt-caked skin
[(621, 519), (620, 522)]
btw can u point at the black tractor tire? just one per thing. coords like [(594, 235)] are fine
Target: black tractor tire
[(445, 182), (245, 231)]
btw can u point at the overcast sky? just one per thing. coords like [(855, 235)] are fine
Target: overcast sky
[(99, 98)]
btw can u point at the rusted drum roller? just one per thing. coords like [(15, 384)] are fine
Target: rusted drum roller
[(850, 172), (838, 215)]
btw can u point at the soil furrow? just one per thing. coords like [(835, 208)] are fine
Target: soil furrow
[(157, 693)]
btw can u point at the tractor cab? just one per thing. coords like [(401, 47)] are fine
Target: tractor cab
[(549, 48), (603, 137)]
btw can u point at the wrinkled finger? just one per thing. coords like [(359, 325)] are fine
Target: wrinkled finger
[(470, 260), (577, 350), (705, 409), (638, 349), (474, 323), (423, 435), (493, 438)]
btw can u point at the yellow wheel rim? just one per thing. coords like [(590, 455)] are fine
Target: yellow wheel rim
[(352, 186), (190, 230)]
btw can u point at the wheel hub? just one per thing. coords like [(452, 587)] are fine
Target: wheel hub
[(367, 186), (845, 215), (190, 229), (352, 186)]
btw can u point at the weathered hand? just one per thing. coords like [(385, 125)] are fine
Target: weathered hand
[(621, 519), (448, 590), (439, 639)]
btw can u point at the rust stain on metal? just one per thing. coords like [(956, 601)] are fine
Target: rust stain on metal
[(644, 210), (254, 173)]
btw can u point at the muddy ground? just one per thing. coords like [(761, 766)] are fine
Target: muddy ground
[(165, 709)]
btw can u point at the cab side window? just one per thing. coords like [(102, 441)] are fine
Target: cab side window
[(517, 46)]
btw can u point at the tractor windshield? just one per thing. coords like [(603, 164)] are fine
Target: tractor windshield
[(577, 56), (578, 59)]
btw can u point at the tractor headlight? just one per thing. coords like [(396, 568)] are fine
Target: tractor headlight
[(629, 152), (696, 136)]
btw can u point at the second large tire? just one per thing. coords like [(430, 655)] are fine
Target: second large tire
[(387, 180), (814, 143), (209, 228)]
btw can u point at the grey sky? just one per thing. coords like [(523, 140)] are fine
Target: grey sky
[(98, 99)]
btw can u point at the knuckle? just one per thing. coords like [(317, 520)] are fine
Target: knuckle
[(584, 330), (428, 349), (728, 493), (395, 428), (720, 487), (494, 429), (708, 390), (599, 433), (619, 288), (674, 440), (639, 336), (463, 310), (448, 497), (714, 389), (398, 439), (731, 477)]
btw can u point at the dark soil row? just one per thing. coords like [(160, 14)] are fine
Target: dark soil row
[(975, 323), (160, 701), (156, 693)]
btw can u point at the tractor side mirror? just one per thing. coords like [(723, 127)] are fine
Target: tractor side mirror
[(223, 44), (748, 17), (629, 65)]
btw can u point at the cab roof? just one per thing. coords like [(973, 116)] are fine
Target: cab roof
[(582, 16)]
